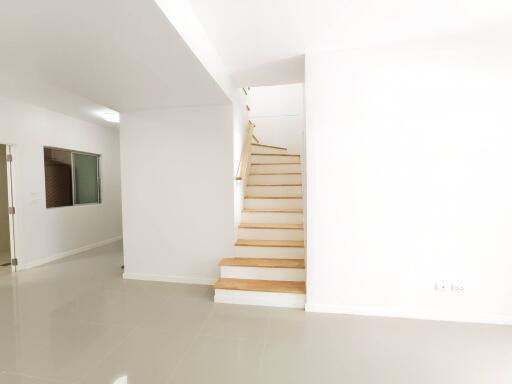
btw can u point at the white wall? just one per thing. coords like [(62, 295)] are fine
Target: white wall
[(278, 112), (240, 122), (44, 234), (409, 180), (177, 178)]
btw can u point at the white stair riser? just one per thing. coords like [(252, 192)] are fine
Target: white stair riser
[(274, 190), (272, 203), (258, 149), (269, 252), (271, 299), (275, 179), (271, 217), (258, 273), (270, 234), (274, 159), (276, 168)]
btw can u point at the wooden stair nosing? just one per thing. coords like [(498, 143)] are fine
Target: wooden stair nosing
[(271, 226), (274, 197), (276, 286), (268, 146), (274, 185), (270, 243), (275, 154), (262, 263), (275, 163), (275, 173), (273, 210)]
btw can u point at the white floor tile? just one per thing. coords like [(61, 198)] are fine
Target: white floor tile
[(77, 321)]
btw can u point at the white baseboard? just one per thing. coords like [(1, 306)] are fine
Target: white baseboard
[(36, 263), (418, 315), (170, 279)]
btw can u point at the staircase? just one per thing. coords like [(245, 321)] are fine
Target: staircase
[(268, 267)]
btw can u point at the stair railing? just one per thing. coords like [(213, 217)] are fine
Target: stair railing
[(243, 165)]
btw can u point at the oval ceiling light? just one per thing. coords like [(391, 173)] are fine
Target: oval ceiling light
[(111, 116)]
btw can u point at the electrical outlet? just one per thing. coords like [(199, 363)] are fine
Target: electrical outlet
[(443, 287), (457, 288)]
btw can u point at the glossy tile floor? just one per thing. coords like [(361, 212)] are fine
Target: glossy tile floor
[(5, 270), (77, 321)]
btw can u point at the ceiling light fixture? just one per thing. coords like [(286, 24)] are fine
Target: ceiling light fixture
[(111, 116)]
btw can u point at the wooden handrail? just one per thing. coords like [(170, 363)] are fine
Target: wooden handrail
[(246, 153), (254, 137)]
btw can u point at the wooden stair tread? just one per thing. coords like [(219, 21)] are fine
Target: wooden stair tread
[(270, 243), (274, 210), (262, 263), (274, 185), (261, 285), (273, 197), (275, 154), (275, 163), (271, 226), (268, 146)]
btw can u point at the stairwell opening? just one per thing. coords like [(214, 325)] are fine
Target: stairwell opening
[(268, 266)]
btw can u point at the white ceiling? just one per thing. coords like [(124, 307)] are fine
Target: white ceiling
[(78, 57), (121, 54), (262, 42)]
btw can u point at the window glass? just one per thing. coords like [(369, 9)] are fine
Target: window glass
[(86, 178)]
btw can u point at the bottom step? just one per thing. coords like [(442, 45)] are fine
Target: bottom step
[(263, 269), (290, 294)]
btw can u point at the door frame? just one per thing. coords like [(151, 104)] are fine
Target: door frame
[(9, 149)]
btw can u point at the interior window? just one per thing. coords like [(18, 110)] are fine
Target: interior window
[(71, 178)]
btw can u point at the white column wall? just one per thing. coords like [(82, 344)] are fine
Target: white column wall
[(177, 178)]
